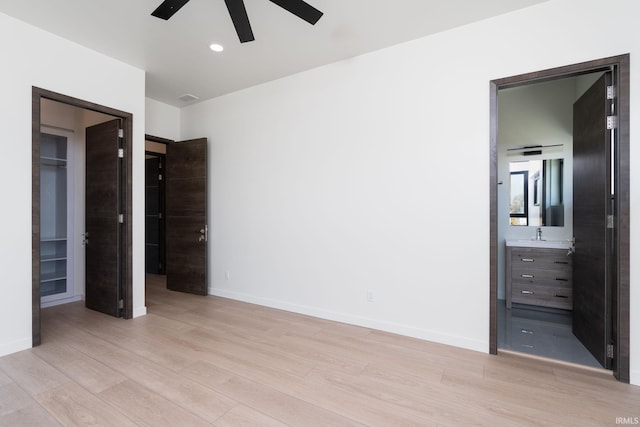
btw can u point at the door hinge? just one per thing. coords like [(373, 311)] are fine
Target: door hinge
[(610, 221), (121, 218), (160, 177), (121, 153), (120, 304), (120, 133), (610, 351), (159, 215), (612, 122), (611, 92)]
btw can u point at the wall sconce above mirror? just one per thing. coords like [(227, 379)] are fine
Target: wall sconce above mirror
[(536, 193)]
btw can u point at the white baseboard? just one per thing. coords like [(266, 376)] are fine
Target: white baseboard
[(74, 298), (16, 346), (395, 328), (139, 311)]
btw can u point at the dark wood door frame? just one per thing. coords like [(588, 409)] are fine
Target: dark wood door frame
[(621, 297), (126, 254)]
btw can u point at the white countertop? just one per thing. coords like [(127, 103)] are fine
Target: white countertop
[(533, 243)]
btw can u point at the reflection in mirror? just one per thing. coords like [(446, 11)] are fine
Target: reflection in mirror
[(536, 193)]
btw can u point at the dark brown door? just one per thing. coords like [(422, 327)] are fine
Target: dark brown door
[(591, 205), (102, 223), (186, 208)]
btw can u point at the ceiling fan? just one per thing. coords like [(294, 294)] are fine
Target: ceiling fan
[(239, 16)]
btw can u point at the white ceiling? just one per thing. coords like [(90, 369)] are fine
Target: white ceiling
[(177, 59)]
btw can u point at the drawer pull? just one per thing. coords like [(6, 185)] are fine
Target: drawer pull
[(526, 331), (527, 276), (526, 345), (562, 279), (525, 292), (526, 259), (561, 296)]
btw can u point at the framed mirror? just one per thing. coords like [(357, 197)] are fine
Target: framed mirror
[(536, 193)]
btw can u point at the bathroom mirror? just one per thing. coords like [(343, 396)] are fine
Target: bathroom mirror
[(536, 193)]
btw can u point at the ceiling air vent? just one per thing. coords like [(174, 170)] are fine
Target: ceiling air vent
[(187, 97)]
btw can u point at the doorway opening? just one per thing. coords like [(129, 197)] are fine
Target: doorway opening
[(154, 202), (61, 259), (537, 270), (176, 215)]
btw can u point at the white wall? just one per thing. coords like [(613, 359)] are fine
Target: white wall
[(373, 174), (32, 57), (162, 120)]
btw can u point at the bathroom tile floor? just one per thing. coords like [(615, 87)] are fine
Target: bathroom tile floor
[(542, 334)]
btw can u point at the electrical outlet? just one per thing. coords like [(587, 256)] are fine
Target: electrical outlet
[(370, 296)]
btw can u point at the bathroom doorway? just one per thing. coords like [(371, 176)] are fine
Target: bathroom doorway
[(532, 143)]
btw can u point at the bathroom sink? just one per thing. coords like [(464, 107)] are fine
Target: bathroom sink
[(533, 243)]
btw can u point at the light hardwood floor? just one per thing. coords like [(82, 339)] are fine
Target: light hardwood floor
[(196, 361)]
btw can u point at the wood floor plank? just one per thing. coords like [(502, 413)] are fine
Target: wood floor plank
[(13, 398), (147, 408), (73, 406), (243, 416), (4, 379), (190, 395), (84, 370), (268, 400), (32, 373), (33, 415)]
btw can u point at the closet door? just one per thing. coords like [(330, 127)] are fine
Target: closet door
[(102, 224)]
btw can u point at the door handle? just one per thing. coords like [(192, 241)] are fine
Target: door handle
[(204, 234)]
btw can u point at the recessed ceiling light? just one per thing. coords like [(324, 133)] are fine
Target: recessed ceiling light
[(216, 47)]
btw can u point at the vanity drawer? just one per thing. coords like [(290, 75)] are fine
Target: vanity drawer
[(560, 276), (542, 259), (542, 294)]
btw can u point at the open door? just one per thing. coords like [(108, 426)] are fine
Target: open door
[(186, 210), (593, 202), (103, 226)]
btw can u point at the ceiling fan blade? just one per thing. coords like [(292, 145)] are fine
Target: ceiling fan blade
[(240, 20), (301, 9), (168, 8)]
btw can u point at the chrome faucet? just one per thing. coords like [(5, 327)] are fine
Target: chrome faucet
[(539, 233)]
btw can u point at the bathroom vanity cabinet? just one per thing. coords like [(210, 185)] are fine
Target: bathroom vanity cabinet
[(539, 276)]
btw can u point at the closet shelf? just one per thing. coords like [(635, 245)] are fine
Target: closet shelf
[(53, 239), (53, 161), (52, 258), (52, 277)]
